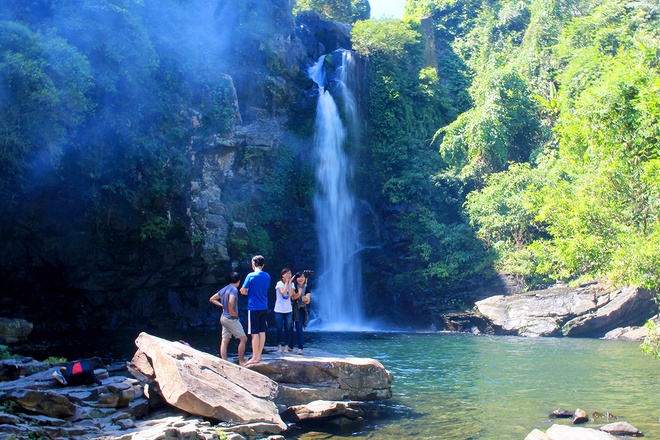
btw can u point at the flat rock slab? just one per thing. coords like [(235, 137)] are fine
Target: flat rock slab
[(205, 385), (333, 377)]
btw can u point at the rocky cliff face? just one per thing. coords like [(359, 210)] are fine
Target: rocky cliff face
[(168, 285)]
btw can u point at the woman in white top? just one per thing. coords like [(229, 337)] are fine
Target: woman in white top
[(283, 310)]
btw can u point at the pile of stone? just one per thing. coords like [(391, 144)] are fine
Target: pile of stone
[(171, 390), (609, 431), (35, 405)]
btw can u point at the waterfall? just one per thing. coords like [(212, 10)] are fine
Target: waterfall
[(338, 289)]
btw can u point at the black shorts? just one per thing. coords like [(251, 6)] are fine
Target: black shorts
[(257, 321)]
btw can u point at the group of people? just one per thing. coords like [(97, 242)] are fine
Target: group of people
[(292, 296)]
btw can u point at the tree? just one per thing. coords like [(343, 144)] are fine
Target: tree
[(335, 10), (502, 127), (44, 85)]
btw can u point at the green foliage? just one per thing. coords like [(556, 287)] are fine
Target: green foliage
[(6, 354), (502, 127), (651, 344), (335, 10), (9, 406), (44, 83), (361, 10), (104, 102), (385, 35), (588, 206), (288, 209), (345, 11), (500, 211), (54, 359), (429, 247)]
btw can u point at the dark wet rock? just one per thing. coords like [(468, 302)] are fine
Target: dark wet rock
[(580, 416), (43, 402), (560, 413), (320, 36), (14, 330), (9, 371)]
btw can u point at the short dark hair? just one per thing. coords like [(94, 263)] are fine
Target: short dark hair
[(285, 270), (258, 260), (234, 277)]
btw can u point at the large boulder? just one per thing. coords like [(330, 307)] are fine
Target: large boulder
[(323, 376), (563, 432), (590, 310), (205, 385)]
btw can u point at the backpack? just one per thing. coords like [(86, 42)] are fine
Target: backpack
[(80, 373)]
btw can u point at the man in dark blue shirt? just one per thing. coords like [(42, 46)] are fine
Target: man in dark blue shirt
[(256, 286)]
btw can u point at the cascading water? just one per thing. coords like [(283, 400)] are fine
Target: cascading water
[(338, 291)]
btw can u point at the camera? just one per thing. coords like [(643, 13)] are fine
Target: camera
[(308, 273)]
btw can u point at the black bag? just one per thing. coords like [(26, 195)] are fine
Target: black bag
[(80, 373)]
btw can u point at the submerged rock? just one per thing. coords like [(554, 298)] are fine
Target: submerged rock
[(580, 416), (622, 428)]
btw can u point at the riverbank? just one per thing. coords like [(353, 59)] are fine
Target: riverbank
[(186, 391), (457, 384)]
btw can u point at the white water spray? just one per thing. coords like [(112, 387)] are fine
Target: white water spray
[(338, 292)]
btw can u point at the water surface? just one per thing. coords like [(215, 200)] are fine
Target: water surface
[(453, 386)]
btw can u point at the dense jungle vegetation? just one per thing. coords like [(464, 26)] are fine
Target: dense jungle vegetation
[(529, 145), (546, 115)]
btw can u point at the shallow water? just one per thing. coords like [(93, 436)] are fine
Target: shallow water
[(452, 386)]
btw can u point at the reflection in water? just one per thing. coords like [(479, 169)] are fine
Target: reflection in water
[(457, 387)]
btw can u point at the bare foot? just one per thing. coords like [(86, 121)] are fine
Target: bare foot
[(299, 351), (252, 361), (287, 349), (279, 349)]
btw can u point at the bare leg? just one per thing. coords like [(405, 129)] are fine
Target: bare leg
[(223, 348), (255, 346), (242, 342), (262, 343), (258, 342)]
